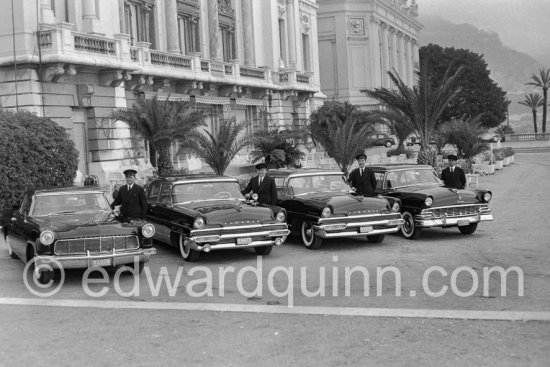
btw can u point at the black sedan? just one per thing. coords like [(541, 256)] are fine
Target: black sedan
[(74, 228), (203, 213), (426, 202), (320, 204)]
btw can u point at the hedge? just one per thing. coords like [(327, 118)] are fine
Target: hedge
[(35, 152)]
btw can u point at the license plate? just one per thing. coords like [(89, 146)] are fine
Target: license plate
[(463, 222), (101, 262), (244, 240), (366, 229)]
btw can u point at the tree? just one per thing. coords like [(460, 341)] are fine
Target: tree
[(465, 136), (35, 153), (398, 126), (421, 105), (502, 130), (542, 81), (218, 148), (343, 139), (533, 101), (479, 94), (276, 148), (161, 123)]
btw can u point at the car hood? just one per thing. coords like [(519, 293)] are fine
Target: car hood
[(345, 203), (231, 212), (84, 225), (442, 196)]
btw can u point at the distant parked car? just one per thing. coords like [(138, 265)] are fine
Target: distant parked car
[(382, 139), (203, 213), (426, 202), (415, 140), (320, 204), (488, 138), (75, 227)]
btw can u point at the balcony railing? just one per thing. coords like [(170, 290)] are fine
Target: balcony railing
[(302, 78), (248, 72), (134, 54), (45, 39), (171, 60), (94, 44), (527, 137)]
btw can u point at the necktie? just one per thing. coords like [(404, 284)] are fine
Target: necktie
[(360, 172), (259, 181), (129, 187), (452, 169)]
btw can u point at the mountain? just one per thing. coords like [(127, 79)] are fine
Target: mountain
[(509, 68)]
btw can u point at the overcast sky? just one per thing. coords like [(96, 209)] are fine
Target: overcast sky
[(523, 25)]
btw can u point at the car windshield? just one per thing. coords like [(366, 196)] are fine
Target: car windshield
[(411, 177), (316, 183), (206, 190), (69, 202)]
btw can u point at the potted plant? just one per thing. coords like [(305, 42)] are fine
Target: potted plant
[(509, 154), (499, 158)]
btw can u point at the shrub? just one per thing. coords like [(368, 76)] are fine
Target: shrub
[(35, 153), (499, 154), (508, 152)]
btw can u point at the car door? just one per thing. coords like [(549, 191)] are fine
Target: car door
[(154, 212)]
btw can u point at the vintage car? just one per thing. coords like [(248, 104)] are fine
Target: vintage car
[(382, 139), (74, 227), (426, 202), (203, 213), (320, 204)]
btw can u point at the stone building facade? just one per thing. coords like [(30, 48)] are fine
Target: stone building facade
[(360, 41), (76, 61)]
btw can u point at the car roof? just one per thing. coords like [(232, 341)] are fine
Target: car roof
[(66, 189), (195, 177), (302, 171), (396, 166)]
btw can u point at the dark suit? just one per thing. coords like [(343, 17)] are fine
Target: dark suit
[(133, 203), (267, 191), (364, 184), (455, 180)]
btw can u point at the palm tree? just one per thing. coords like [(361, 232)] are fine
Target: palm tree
[(398, 126), (344, 139), (276, 148), (533, 101), (465, 136), (542, 81), (219, 148), (421, 105), (161, 123)]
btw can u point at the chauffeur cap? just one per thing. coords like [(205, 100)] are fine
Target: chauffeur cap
[(452, 157), (129, 171), (361, 156), (261, 165)]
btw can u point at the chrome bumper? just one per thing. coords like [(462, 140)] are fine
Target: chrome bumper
[(209, 243), (86, 261), (325, 231), (452, 222)]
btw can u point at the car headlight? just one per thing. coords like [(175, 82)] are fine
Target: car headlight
[(326, 212), (280, 217), (396, 207), (487, 197), (148, 230), (428, 201), (199, 222), (47, 237)]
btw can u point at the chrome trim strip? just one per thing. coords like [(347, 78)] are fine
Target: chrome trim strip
[(324, 234), (195, 231), (321, 220)]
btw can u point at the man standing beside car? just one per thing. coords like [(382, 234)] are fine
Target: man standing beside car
[(453, 176), (263, 185), (131, 198), (362, 179)]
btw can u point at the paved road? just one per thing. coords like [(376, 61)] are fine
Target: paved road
[(110, 333)]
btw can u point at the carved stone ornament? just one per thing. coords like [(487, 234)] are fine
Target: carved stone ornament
[(282, 11), (356, 26), (306, 24)]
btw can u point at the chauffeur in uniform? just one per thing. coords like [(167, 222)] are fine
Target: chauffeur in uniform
[(131, 198), (263, 185), (453, 176), (362, 179)]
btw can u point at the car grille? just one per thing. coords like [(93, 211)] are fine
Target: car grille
[(360, 219), (96, 244), (454, 211)]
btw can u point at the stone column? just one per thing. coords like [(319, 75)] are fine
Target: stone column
[(46, 12), (409, 61), (291, 24), (401, 61), (394, 63), (248, 33), (90, 23), (385, 56), (121, 16), (376, 72), (172, 35), (214, 31)]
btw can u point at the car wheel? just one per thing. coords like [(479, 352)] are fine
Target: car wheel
[(45, 276), (388, 144), (10, 251), (186, 251), (409, 230), (310, 240), (469, 229), (376, 238), (263, 250)]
